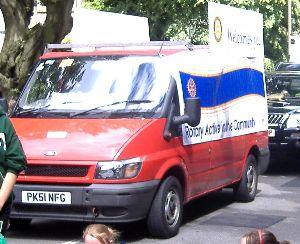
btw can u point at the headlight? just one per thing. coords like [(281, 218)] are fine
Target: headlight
[(123, 169), (293, 120)]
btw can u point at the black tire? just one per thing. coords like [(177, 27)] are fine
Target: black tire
[(165, 215), (18, 224), (246, 189)]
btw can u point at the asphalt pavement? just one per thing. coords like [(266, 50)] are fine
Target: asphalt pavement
[(213, 219)]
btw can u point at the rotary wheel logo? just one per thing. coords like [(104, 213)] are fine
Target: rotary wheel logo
[(191, 87), (218, 29)]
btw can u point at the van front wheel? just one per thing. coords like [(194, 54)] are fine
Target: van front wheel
[(165, 215), (246, 189)]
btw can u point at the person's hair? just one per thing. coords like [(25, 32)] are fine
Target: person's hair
[(103, 233), (262, 237)]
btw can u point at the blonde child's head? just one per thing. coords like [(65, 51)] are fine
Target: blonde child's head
[(99, 234)]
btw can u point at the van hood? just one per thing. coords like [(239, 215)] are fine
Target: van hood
[(75, 139)]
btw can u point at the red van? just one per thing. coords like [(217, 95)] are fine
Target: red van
[(120, 134)]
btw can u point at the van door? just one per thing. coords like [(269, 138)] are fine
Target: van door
[(196, 156), (226, 160)]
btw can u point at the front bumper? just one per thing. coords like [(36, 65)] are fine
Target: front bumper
[(96, 202), (285, 141)]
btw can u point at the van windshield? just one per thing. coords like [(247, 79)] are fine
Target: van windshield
[(95, 87), (283, 88), (288, 67)]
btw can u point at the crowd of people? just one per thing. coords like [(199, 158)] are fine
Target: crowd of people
[(102, 234)]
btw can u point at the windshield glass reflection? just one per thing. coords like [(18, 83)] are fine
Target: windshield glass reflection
[(116, 84)]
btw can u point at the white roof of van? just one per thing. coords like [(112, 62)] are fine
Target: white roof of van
[(205, 62)]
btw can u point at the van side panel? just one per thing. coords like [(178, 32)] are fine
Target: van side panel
[(160, 155), (232, 104), (233, 111), (227, 160), (199, 160)]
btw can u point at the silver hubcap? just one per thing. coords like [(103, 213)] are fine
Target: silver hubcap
[(172, 208), (251, 179)]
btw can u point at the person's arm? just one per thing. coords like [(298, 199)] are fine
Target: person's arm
[(14, 162), (6, 188)]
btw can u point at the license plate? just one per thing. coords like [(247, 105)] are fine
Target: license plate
[(271, 132), (46, 197)]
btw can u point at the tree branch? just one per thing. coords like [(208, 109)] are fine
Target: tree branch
[(23, 46), (59, 21)]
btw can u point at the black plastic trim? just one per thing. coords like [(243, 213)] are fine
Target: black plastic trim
[(123, 202)]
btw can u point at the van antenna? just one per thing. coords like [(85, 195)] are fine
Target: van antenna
[(161, 47), (189, 46)]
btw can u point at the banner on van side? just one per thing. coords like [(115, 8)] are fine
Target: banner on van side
[(232, 104), (235, 30)]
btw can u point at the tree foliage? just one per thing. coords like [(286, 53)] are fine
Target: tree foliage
[(23, 45), (187, 19)]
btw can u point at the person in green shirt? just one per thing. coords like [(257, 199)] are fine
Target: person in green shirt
[(12, 161), (2, 240)]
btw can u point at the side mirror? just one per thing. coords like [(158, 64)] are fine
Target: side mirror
[(3, 104), (192, 113)]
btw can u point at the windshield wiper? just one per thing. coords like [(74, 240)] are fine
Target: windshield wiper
[(111, 104), (31, 110)]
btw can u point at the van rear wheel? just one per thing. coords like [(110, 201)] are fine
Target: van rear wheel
[(246, 189), (165, 215)]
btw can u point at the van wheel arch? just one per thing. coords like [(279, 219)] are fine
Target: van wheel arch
[(177, 172), (255, 152)]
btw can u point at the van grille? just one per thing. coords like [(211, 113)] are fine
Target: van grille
[(58, 171), (275, 118)]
